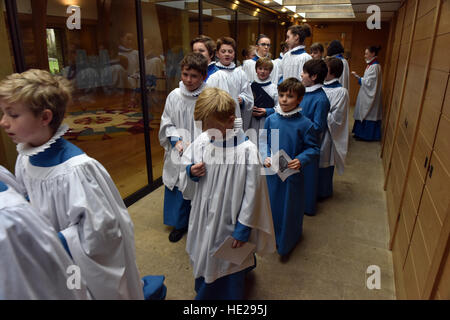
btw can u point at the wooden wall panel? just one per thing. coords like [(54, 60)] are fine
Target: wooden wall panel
[(444, 21), (434, 98), (420, 256), (417, 142), (410, 278)]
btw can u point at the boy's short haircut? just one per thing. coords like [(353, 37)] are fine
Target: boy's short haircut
[(292, 85), (208, 42), (335, 47), (214, 102), (226, 40), (316, 67), (38, 90), (264, 62), (335, 66), (195, 61), (317, 46)]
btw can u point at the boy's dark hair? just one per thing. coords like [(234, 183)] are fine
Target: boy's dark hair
[(208, 42), (335, 47), (335, 66), (226, 40), (374, 49), (303, 31), (316, 67), (317, 46), (264, 62), (292, 85), (195, 61)]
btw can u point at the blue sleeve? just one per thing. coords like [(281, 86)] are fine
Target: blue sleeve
[(360, 81), (270, 111), (189, 173), (64, 243), (241, 232), (281, 80), (264, 141), (174, 140), (243, 102), (321, 115), (311, 148)]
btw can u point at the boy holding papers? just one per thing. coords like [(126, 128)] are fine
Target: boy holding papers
[(298, 141), (230, 205)]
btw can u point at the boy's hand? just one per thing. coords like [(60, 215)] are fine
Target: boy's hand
[(179, 147), (237, 244), (294, 164), (198, 169), (268, 162), (259, 112)]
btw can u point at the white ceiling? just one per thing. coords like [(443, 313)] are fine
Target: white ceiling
[(334, 10)]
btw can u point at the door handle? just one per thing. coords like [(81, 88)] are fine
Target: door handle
[(426, 162), (431, 171)]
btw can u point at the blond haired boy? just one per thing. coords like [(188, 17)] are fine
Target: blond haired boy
[(68, 188), (229, 199)]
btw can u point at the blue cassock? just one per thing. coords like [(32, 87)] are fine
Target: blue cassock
[(298, 139), (315, 106)]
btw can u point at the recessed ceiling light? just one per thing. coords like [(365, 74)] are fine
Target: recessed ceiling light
[(266, 1)]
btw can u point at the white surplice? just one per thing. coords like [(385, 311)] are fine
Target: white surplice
[(80, 200), (232, 190), (33, 264), (177, 121), (333, 150), (234, 81), (292, 63), (369, 103)]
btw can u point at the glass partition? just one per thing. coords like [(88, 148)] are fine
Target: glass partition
[(100, 56), (101, 59)]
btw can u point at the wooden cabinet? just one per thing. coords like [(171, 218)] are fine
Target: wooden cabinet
[(416, 151)]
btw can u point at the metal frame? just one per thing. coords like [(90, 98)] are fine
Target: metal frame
[(16, 40)]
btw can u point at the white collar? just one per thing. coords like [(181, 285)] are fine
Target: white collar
[(314, 87), (286, 114), (298, 47), (331, 81), (26, 150), (257, 80), (229, 67), (194, 93), (212, 62)]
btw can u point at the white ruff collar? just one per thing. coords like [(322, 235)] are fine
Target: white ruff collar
[(26, 150), (286, 114), (257, 80), (314, 87), (331, 81), (229, 67), (194, 93)]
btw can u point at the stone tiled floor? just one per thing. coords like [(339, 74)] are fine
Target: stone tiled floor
[(349, 234)]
